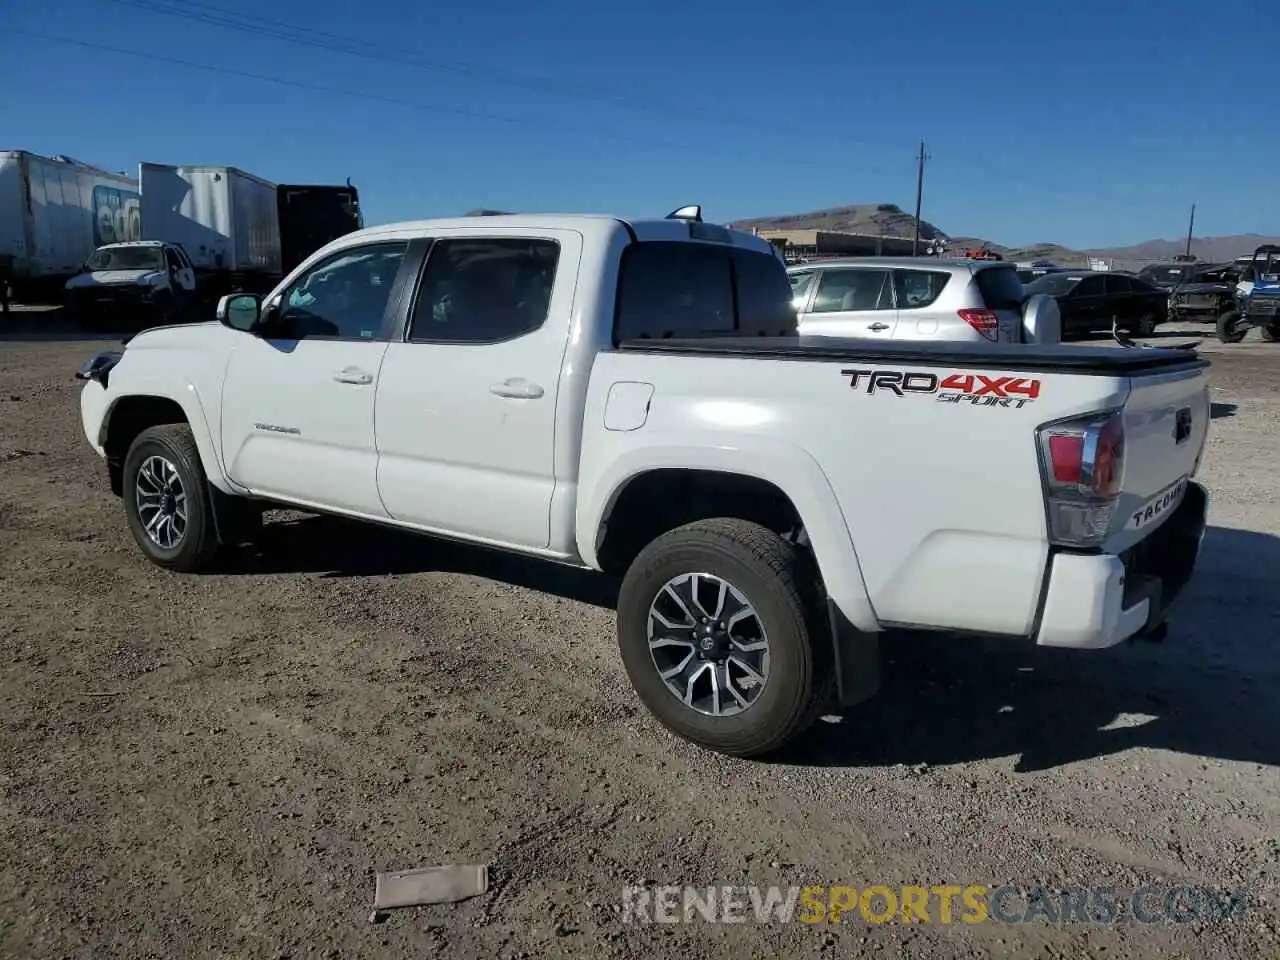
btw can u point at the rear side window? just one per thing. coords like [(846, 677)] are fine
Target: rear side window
[(1117, 284), (1090, 287), (853, 289), (674, 289), (919, 288), (1000, 287), (484, 290)]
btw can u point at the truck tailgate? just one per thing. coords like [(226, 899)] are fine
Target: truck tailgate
[(1166, 421)]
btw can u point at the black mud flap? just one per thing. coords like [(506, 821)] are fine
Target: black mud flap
[(235, 520), (856, 659)]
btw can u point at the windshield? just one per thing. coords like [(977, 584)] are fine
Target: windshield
[(1168, 274), (126, 258), (1054, 284), (1267, 267)]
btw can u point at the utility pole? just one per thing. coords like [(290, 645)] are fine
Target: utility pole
[(920, 159), (1191, 226)]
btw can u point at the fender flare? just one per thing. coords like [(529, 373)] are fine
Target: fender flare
[(789, 468), (187, 397)]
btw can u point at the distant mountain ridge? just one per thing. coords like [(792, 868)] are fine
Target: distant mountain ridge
[(890, 220)]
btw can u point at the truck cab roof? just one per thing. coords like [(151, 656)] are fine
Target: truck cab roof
[(591, 226), (135, 243)]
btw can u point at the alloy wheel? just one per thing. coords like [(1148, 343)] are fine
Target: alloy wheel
[(161, 502), (708, 644)]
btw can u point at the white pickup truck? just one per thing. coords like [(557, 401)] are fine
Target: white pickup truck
[(631, 397), (148, 278)]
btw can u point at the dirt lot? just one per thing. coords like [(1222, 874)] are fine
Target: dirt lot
[(218, 765)]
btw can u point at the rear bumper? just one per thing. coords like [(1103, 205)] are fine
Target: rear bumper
[(1094, 601)]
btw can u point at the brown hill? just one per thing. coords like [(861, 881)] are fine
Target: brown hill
[(874, 219), (890, 220)]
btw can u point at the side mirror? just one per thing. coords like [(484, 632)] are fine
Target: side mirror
[(239, 311)]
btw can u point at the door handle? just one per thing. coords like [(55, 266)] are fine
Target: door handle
[(878, 326), (516, 388), (352, 375)]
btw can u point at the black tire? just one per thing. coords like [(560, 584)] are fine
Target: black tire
[(195, 549), (1228, 331), (1145, 325), (781, 582), (1271, 333)]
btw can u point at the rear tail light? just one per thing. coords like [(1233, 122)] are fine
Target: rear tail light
[(1082, 465), (984, 321)]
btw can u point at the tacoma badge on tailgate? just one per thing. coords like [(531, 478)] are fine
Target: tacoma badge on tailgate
[(1157, 506)]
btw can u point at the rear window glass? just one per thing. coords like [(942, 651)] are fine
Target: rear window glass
[(1054, 284), (674, 289), (763, 293), (1001, 289), (1166, 274), (919, 288)]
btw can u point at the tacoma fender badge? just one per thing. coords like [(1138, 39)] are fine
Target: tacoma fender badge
[(274, 428)]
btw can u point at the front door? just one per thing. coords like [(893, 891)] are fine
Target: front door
[(297, 412), (182, 279), (852, 302), (466, 408)]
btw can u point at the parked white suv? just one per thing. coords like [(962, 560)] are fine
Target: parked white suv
[(917, 298), (629, 396)]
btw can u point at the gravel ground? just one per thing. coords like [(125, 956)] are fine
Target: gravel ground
[(218, 765)]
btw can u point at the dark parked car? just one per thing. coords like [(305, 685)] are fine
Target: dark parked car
[(1090, 301)]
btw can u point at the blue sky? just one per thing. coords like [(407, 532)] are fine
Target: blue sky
[(1093, 124)]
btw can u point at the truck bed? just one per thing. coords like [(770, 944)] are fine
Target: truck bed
[(1083, 361)]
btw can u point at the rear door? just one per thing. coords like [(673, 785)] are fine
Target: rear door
[(1088, 301), (1003, 294), (1119, 300), (916, 292), (852, 302), (466, 403)]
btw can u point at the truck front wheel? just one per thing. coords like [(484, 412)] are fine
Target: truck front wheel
[(166, 499), (721, 633), (1271, 332), (1230, 328)]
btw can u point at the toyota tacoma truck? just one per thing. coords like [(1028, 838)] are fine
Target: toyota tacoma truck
[(631, 397)]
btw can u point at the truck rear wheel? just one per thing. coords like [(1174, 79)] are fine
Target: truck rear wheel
[(166, 499), (1230, 330), (721, 636)]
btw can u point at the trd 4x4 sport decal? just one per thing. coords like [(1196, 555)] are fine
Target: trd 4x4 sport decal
[(973, 388)]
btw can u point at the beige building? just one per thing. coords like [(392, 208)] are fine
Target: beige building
[(823, 243)]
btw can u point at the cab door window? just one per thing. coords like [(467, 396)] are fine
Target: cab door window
[(344, 296)]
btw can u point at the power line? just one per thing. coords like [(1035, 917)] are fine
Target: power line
[(378, 98), (336, 43)]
